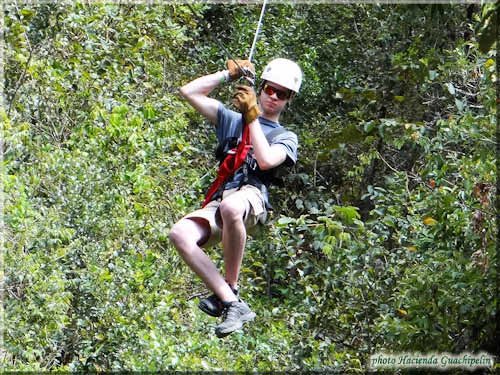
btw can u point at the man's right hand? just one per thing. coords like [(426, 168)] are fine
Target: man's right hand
[(234, 68)]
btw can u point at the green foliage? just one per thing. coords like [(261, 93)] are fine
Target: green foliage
[(383, 237), (488, 27)]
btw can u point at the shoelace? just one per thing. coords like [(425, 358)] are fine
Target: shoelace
[(229, 313)]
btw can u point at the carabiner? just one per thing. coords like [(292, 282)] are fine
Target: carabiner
[(249, 76)]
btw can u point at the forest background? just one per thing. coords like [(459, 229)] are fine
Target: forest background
[(383, 236)]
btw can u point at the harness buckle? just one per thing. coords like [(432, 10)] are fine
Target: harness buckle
[(251, 163)]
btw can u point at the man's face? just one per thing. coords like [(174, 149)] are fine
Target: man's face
[(273, 98)]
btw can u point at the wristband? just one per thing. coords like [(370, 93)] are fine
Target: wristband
[(225, 76)]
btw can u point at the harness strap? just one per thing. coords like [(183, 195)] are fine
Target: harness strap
[(236, 158), (231, 163)]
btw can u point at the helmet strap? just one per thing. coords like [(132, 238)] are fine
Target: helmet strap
[(261, 87)]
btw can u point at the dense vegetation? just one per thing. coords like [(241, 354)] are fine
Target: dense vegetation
[(383, 237)]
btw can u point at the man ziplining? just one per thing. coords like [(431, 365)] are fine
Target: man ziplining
[(238, 198)]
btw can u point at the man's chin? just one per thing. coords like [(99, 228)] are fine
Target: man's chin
[(271, 109)]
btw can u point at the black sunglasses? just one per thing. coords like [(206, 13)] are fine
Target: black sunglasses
[(281, 94)]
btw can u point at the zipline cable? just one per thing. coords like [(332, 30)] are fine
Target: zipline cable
[(259, 24)]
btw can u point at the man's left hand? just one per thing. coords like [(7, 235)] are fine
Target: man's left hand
[(245, 100)]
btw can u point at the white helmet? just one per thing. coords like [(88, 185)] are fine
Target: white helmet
[(284, 72)]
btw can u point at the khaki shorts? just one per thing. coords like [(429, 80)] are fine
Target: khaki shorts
[(255, 212)]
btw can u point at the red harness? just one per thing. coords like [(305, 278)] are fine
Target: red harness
[(234, 160)]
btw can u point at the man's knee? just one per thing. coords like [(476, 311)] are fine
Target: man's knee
[(177, 234), (232, 210), (188, 233)]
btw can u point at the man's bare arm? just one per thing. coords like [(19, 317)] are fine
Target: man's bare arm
[(267, 156), (196, 92)]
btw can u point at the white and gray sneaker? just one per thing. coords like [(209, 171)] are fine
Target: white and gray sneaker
[(235, 315)]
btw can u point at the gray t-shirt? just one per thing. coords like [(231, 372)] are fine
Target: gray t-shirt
[(229, 124)]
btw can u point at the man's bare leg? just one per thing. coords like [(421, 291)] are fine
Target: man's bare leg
[(185, 235), (234, 234)]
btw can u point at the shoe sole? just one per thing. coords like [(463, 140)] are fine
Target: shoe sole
[(208, 311), (244, 319)]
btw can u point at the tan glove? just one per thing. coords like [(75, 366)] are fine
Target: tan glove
[(246, 101), (235, 71)]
